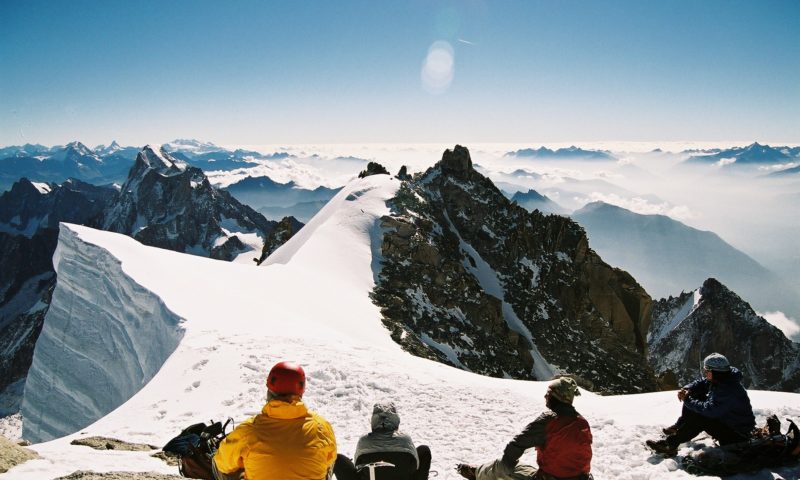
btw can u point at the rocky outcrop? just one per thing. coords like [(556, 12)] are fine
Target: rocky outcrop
[(373, 168), (403, 174), (711, 319), (107, 443), (88, 475), (283, 231), (12, 454), (472, 279)]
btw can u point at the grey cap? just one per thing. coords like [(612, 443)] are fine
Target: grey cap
[(717, 362)]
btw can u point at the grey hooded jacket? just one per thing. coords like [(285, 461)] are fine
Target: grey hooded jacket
[(385, 436)]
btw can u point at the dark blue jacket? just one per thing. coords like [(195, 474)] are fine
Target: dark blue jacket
[(726, 401)]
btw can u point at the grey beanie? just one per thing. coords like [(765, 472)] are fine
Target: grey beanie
[(717, 363)]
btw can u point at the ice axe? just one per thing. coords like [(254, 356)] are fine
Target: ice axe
[(372, 466)]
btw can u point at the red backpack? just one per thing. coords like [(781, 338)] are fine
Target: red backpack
[(567, 451)]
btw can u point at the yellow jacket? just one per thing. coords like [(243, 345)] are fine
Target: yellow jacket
[(284, 442)]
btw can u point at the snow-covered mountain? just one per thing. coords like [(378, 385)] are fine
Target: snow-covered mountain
[(312, 306), (168, 204), (474, 280), (667, 257), (57, 164), (714, 319)]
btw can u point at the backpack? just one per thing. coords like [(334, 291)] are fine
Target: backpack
[(766, 448), (195, 447)]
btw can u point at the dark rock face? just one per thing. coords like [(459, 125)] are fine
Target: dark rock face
[(403, 174), (373, 168), (167, 204), (473, 280), (283, 231), (692, 325)]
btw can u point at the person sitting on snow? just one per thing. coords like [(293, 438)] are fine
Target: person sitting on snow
[(285, 441), (717, 404), (386, 444), (562, 438)]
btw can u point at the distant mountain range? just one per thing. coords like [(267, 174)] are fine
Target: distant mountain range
[(568, 192), (209, 157), (573, 153), (667, 256), (278, 200), (754, 154), (57, 164), (533, 200), (110, 164)]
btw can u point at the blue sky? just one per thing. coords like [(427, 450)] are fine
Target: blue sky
[(258, 72)]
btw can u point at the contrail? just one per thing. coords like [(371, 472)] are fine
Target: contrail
[(466, 42)]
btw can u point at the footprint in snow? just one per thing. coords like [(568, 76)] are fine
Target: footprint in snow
[(194, 385), (200, 364)]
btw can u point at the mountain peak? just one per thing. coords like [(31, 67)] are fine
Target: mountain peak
[(78, 147), (456, 162), (155, 158), (714, 291)]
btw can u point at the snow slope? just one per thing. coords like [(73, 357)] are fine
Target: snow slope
[(311, 304)]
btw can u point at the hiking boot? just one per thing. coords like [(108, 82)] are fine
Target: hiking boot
[(671, 430), (466, 471), (662, 447)]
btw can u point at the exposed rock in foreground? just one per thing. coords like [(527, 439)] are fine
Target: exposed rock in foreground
[(12, 454), (106, 443), (85, 475), (473, 280), (692, 325)]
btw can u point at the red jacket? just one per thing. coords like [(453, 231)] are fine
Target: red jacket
[(567, 450), (563, 442)]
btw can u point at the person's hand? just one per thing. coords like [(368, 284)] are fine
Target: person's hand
[(682, 394)]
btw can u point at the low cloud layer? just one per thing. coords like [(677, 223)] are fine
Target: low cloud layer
[(789, 326)]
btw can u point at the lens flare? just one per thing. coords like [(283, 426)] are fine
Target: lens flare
[(438, 67)]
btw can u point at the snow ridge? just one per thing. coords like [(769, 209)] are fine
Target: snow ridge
[(103, 339)]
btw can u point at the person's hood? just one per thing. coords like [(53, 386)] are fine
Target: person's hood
[(736, 374), (385, 417)]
